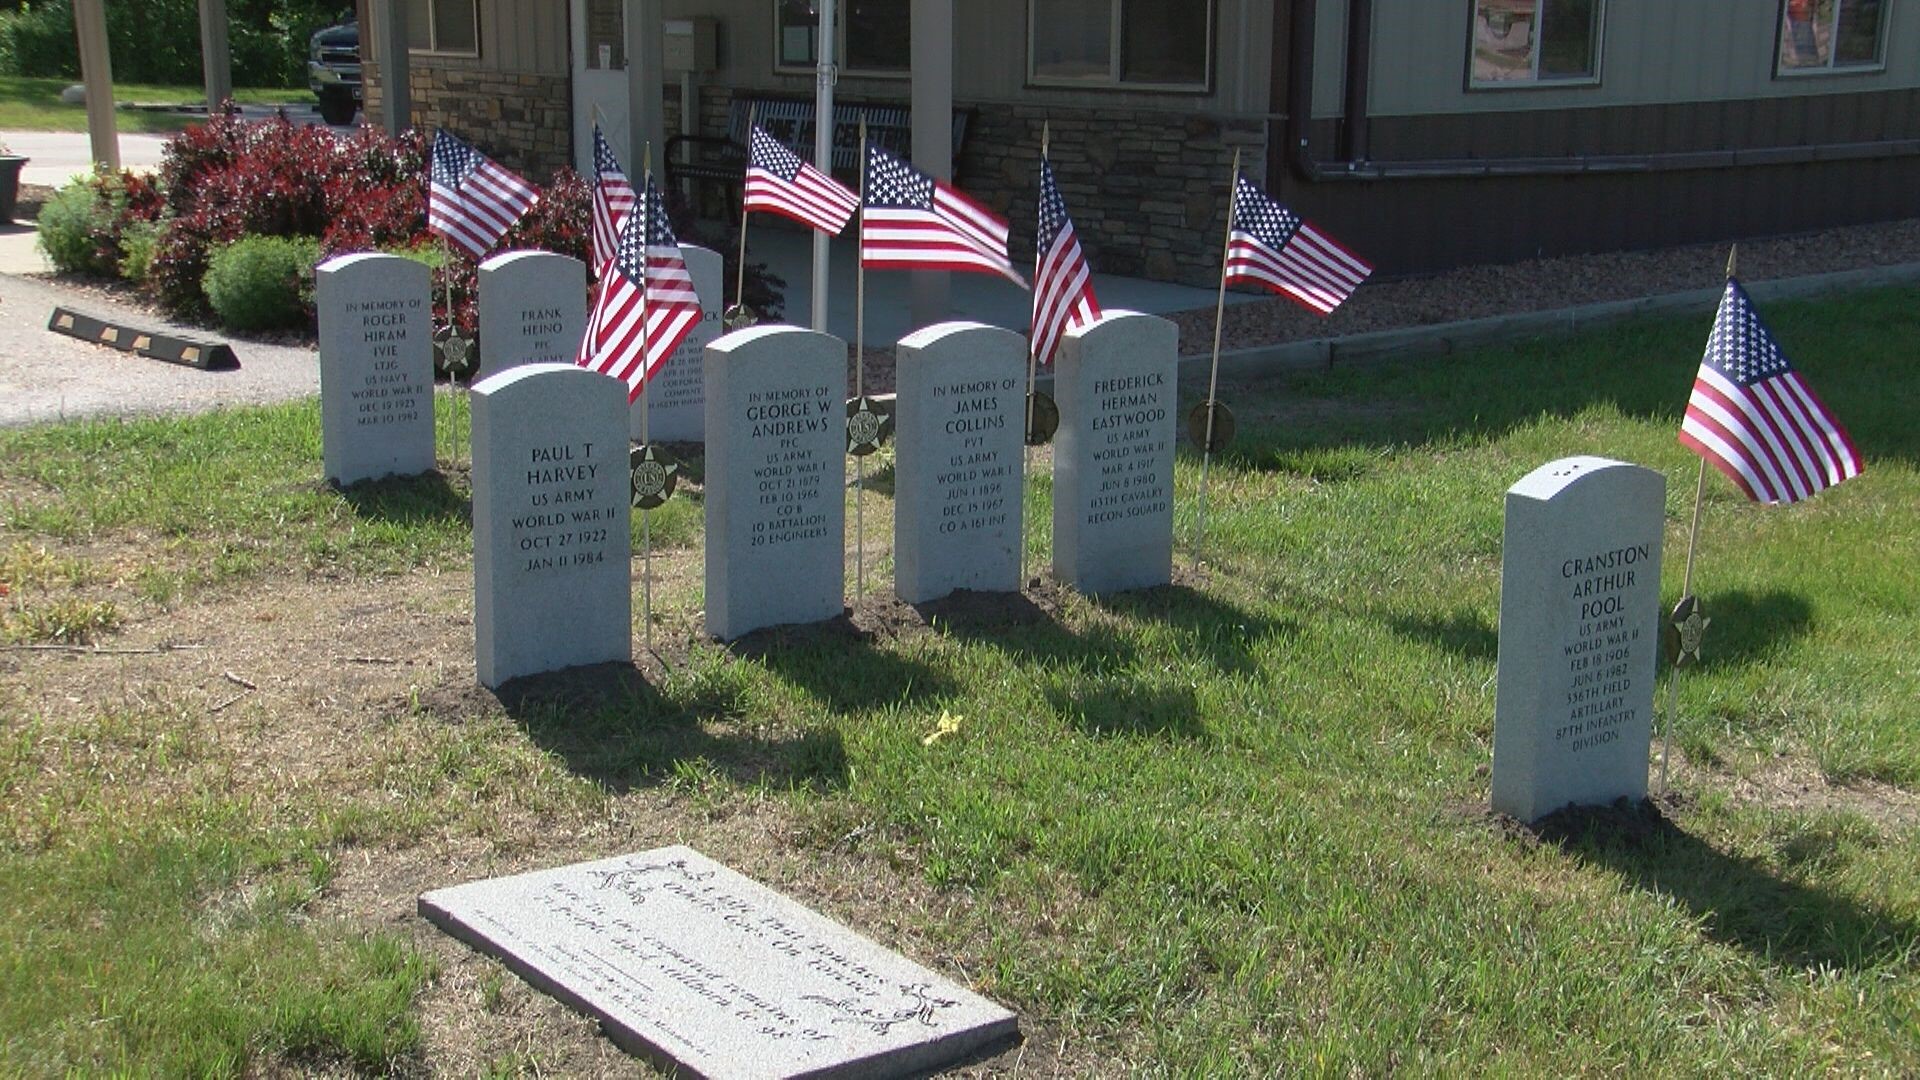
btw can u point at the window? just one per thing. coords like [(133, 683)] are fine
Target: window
[(1534, 42), (442, 26), (1157, 44), (874, 35), (1821, 36)]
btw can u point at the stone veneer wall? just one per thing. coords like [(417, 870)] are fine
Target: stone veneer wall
[(520, 120), (1147, 189)]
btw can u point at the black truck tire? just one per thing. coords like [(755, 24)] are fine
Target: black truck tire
[(337, 107)]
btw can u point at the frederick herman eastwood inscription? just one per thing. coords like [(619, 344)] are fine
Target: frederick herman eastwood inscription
[(776, 514), (702, 969), (551, 539), (959, 405), (1579, 636), (1113, 456), (376, 367)]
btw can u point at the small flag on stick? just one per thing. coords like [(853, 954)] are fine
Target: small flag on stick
[(1755, 419), (647, 302), (1274, 247), (778, 182), (613, 200), (913, 222), (1062, 283), (472, 201)]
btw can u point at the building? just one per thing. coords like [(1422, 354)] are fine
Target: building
[(1424, 133)]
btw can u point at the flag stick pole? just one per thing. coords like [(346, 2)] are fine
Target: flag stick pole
[(1213, 376), (1686, 585), (860, 383), (740, 274), (646, 515), (1033, 381)]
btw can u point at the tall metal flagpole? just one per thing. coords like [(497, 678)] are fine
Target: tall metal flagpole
[(860, 380), (1687, 602), (740, 274), (1212, 406), (646, 515), (825, 75), (1033, 378)]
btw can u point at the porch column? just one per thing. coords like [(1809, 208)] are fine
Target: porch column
[(396, 80), (216, 59), (96, 72), (932, 59), (646, 70)]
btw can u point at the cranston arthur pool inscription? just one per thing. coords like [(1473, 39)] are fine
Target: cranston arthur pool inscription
[(687, 962), (1579, 636)]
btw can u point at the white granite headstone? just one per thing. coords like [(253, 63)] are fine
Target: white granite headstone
[(776, 504), (959, 413), (533, 310), (1579, 636), (552, 551), (1115, 384), (676, 406), (376, 367), (710, 973)]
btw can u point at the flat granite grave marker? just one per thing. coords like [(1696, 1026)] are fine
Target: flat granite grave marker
[(776, 505), (704, 970), (676, 403), (552, 550), (376, 367), (1579, 636), (1115, 384), (533, 310), (959, 411)]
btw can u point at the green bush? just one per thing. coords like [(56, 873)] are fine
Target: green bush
[(263, 282), (67, 232), (158, 41), (84, 226), (137, 243)]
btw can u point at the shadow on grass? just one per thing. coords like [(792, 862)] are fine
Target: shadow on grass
[(610, 725), (1225, 634), (1748, 625), (1738, 900), (1123, 707), (409, 500), (836, 662), (1464, 633)]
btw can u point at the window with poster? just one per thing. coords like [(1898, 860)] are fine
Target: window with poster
[(874, 37), (1522, 43), (443, 26), (1825, 37), (1133, 44)]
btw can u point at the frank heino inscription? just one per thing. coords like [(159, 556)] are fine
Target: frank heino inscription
[(1579, 636), (376, 367), (533, 310), (551, 539)]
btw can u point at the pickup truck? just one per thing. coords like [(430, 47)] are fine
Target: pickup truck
[(333, 71)]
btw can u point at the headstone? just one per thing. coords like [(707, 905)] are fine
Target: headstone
[(1115, 385), (676, 405), (552, 550), (376, 367), (710, 973), (1579, 636), (533, 310), (775, 478), (959, 411)]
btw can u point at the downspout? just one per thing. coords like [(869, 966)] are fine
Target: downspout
[(1353, 131)]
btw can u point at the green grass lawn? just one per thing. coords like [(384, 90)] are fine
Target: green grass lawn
[(32, 104), (1234, 826)]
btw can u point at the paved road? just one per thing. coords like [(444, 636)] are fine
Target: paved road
[(46, 376), (54, 157)]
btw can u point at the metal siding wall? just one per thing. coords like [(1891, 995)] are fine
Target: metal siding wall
[(1330, 55), (1652, 52)]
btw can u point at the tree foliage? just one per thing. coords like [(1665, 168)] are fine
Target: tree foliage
[(158, 41)]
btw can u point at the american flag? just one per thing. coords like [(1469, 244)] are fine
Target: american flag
[(914, 222), (1755, 419), (1272, 246), (613, 200), (471, 200), (647, 276), (1062, 284), (780, 183)]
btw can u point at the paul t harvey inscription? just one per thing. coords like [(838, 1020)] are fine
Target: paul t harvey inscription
[(563, 526), (702, 969)]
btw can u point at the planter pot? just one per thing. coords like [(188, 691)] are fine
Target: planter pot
[(9, 184)]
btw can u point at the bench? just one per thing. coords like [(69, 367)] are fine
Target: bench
[(721, 160)]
